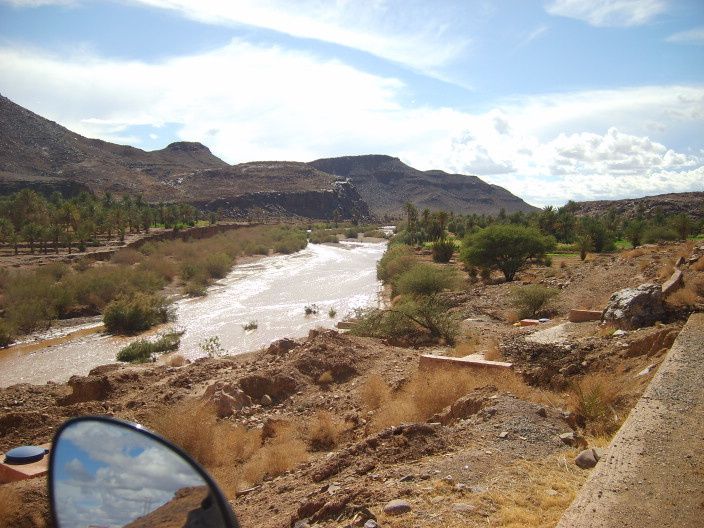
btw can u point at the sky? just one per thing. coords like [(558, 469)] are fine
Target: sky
[(552, 99)]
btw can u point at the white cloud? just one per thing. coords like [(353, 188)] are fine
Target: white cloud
[(608, 13), (250, 102), (415, 34), (691, 36)]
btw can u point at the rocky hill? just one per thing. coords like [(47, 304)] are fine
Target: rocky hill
[(386, 183), (691, 203), (38, 153)]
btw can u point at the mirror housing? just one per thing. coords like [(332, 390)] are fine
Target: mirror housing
[(109, 472)]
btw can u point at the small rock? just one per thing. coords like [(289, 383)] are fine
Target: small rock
[(647, 370), (587, 459), (303, 523), (397, 507), (371, 523), (619, 333), (542, 412), (266, 401), (503, 434), (407, 478), (568, 438), (463, 507)]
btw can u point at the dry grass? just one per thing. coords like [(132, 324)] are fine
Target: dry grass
[(666, 271), (176, 360), (683, 298), (237, 457), (634, 253), (696, 283), (10, 502), (326, 378), (535, 494), (324, 431), (597, 397), (127, 256), (698, 265), (429, 392), (374, 393)]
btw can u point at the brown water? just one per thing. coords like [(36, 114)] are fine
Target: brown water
[(273, 292)]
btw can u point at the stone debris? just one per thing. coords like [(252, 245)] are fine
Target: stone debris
[(588, 458), (226, 398), (582, 316), (674, 283)]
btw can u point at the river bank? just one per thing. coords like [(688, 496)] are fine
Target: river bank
[(271, 291)]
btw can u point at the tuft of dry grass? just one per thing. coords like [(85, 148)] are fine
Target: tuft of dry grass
[(176, 360), (683, 298), (634, 253), (374, 393), (10, 502), (596, 397), (127, 256), (324, 431), (666, 271), (326, 378), (429, 392), (698, 265)]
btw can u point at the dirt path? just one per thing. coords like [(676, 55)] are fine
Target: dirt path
[(653, 474)]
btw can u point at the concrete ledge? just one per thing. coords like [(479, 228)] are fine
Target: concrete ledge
[(651, 475), (430, 361)]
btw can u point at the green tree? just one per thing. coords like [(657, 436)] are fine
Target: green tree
[(683, 224), (31, 233), (585, 244), (505, 247), (634, 232)]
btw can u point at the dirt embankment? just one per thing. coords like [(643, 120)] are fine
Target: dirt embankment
[(335, 427)]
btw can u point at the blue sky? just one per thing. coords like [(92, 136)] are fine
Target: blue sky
[(553, 99)]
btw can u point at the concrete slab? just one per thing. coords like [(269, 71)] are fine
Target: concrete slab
[(674, 283), (578, 315), (15, 472), (431, 361), (555, 335), (651, 475), (528, 322)]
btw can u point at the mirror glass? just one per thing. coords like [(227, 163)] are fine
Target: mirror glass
[(112, 475)]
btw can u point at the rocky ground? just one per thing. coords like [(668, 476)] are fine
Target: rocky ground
[(305, 444)]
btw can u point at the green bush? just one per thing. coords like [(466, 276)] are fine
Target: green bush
[(657, 233), (323, 237), (426, 279), (6, 334), (130, 315), (217, 265), (351, 233), (396, 260), (141, 351), (530, 300), (443, 250), (417, 320), (505, 247)]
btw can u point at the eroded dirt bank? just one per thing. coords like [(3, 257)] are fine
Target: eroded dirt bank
[(333, 426)]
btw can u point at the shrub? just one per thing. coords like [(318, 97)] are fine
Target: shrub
[(530, 300), (324, 431), (217, 265), (683, 298), (127, 257), (426, 279), (505, 247), (142, 350), (659, 233), (251, 325), (325, 378), (211, 347), (130, 315), (395, 261), (443, 250), (311, 309), (323, 237), (351, 233), (6, 334), (332, 313)]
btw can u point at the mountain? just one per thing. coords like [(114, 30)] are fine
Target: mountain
[(41, 154), (691, 203), (386, 183)]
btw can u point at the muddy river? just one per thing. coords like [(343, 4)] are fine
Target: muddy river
[(272, 292)]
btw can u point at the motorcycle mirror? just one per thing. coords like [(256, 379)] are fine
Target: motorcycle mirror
[(109, 473)]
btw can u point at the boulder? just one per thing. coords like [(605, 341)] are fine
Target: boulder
[(281, 346), (463, 408), (87, 388), (633, 308), (226, 398)]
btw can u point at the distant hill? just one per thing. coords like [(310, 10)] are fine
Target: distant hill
[(691, 203), (386, 183), (38, 153)]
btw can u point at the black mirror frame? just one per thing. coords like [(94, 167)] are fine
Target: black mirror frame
[(222, 502)]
